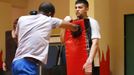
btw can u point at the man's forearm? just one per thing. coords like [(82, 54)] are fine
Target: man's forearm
[(93, 50)]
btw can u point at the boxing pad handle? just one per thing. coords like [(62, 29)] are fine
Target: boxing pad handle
[(77, 33)]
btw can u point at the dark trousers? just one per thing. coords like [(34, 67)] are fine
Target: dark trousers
[(96, 71), (1, 72)]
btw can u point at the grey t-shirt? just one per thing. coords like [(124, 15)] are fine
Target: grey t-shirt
[(33, 36)]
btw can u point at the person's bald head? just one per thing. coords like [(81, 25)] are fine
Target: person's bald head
[(47, 8)]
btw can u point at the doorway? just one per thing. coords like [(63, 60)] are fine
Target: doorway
[(129, 44)]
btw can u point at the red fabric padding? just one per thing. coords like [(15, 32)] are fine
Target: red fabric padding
[(76, 53)]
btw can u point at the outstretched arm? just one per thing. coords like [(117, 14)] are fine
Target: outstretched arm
[(67, 25)]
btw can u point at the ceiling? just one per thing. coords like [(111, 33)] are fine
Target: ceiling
[(6, 1), (16, 3)]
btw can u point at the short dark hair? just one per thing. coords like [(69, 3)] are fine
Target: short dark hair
[(85, 2), (47, 7)]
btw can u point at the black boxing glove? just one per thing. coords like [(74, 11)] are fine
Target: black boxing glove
[(33, 12), (77, 33)]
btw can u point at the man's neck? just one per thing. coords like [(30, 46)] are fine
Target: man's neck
[(82, 17), (43, 13)]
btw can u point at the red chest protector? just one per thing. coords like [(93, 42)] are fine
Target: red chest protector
[(76, 53)]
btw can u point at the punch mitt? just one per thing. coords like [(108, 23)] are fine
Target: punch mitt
[(77, 33)]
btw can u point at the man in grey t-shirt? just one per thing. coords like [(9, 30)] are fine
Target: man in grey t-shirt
[(33, 33)]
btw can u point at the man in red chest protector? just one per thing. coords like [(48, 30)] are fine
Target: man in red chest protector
[(81, 9)]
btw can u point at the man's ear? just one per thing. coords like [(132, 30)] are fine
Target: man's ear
[(87, 8), (51, 14), (48, 14)]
